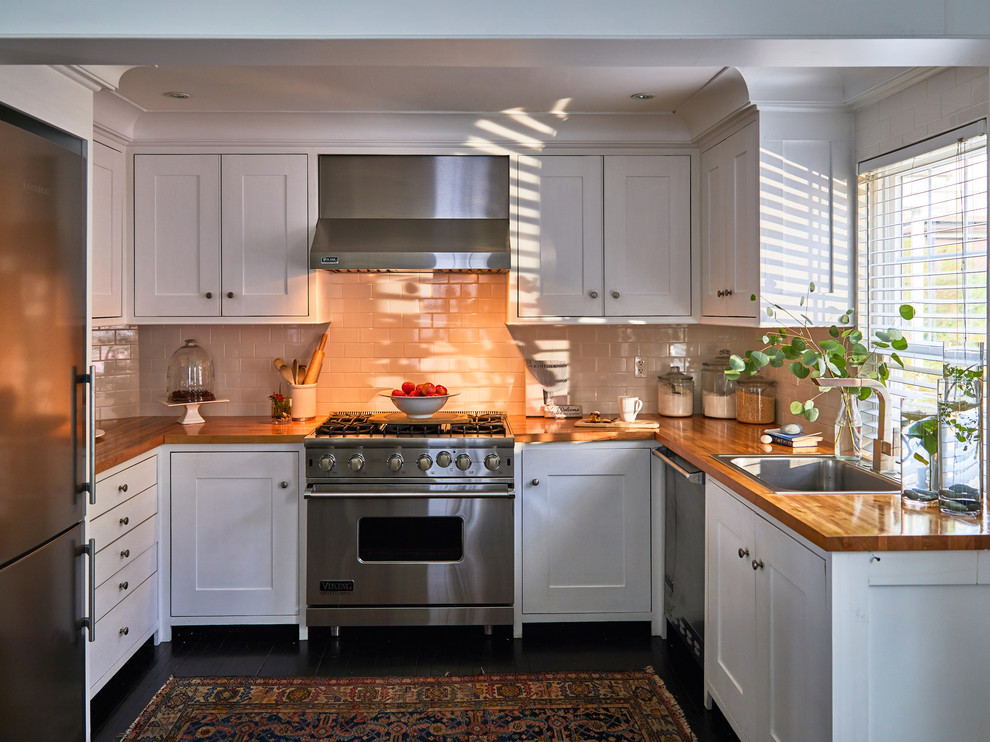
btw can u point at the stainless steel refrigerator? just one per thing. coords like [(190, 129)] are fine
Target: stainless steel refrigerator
[(44, 424)]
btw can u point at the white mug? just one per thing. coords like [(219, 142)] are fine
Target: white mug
[(629, 407)]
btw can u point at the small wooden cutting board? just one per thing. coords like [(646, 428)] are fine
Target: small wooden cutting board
[(645, 424)]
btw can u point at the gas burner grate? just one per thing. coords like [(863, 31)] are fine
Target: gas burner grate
[(348, 424)]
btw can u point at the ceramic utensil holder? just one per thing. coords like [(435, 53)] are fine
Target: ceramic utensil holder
[(303, 401)]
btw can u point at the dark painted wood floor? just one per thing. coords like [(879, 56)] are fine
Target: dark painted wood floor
[(274, 651)]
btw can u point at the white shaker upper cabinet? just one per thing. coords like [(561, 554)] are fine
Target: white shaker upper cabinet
[(221, 236), (108, 231), (603, 237)]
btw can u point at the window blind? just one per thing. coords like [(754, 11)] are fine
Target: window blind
[(922, 240)]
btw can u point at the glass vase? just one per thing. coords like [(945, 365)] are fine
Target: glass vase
[(919, 459), (848, 427), (960, 440)]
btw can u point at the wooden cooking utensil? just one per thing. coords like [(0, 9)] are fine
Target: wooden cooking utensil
[(284, 370), (315, 363), (295, 371)]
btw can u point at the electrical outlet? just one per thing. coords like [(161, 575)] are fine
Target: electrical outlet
[(639, 369)]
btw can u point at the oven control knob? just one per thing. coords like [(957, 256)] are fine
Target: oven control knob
[(424, 462), (395, 462), (443, 459), (327, 461), (463, 462), (356, 462), (492, 462)]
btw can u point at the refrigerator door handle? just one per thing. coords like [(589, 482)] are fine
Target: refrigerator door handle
[(90, 484), (89, 622)]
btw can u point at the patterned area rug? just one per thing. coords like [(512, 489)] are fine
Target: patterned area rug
[(585, 707)]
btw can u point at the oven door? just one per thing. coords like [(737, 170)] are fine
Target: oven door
[(409, 549)]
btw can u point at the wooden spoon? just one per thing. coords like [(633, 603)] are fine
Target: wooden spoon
[(284, 370), (295, 371)]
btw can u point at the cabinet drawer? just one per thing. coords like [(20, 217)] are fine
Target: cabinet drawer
[(124, 518), (124, 582), (123, 485), (123, 628), (124, 550)]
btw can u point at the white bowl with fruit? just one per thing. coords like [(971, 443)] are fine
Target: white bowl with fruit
[(419, 401)]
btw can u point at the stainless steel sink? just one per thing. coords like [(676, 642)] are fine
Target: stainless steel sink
[(810, 474)]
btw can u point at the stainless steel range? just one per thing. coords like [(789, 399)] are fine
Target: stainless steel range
[(410, 522)]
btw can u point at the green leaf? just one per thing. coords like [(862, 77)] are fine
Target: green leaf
[(855, 336), (834, 331), (799, 345), (881, 345), (840, 363), (864, 393), (900, 344), (811, 287), (811, 415), (844, 319), (736, 363), (906, 311), (830, 346), (807, 320), (760, 359), (797, 408), (897, 359), (801, 302), (883, 336), (835, 370), (766, 340), (849, 312), (731, 375), (858, 354), (821, 366), (921, 458), (769, 311), (798, 369), (752, 297), (809, 404), (894, 334), (809, 358)]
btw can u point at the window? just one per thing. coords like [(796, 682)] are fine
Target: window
[(922, 240)]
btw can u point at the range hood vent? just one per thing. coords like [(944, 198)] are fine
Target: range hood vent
[(412, 213)]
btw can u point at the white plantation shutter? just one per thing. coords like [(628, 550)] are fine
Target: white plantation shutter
[(922, 240)]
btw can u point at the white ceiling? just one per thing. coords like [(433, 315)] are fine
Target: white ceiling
[(417, 88)]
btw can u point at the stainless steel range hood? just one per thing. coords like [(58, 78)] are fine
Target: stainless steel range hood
[(412, 213)]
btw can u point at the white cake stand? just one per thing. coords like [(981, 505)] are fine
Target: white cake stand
[(191, 416)]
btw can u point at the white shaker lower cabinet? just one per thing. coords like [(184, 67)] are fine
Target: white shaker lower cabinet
[(234, 524), (767, 661), (124, 525), (586, 533)]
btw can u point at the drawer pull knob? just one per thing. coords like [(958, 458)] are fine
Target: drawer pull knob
[(230, 294), (757, 565), (125, 553), (284, 485), (125, 631), (125, 520), (209, 294), (615, 294), (122, 488), (593, 294), (536, 482), (123, 585), (743, 553)]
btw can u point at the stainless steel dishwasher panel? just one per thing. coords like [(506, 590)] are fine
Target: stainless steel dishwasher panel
[(684, 547)]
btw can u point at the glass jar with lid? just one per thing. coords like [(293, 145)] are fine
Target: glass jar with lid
[(675, 393), (191, 375), (718, 393), (756, 400)]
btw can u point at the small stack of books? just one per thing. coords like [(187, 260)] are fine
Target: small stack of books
[(797, 440)]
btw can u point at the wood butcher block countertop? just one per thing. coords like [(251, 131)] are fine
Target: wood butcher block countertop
[(832, 522), (132, 436)]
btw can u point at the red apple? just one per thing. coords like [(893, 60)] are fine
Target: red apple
[(441, 390), (407, 387), (398, 393), (429, 389)]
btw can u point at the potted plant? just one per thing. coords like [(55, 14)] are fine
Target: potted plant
[(841, 355)]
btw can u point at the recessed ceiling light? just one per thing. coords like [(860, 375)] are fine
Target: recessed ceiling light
[(642, 96), (182, 96)]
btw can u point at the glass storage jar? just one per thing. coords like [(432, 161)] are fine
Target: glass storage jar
[(718, 393), (190, 376), (675, 393), (756, 400)]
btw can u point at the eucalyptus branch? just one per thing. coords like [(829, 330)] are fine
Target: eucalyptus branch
[(843, 355)]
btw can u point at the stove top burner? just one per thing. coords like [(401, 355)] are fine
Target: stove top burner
[(397, 425)]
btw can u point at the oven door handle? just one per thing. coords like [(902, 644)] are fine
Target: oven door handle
[(314, 492)]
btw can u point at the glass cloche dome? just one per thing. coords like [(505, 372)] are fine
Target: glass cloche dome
[(191, 375)]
